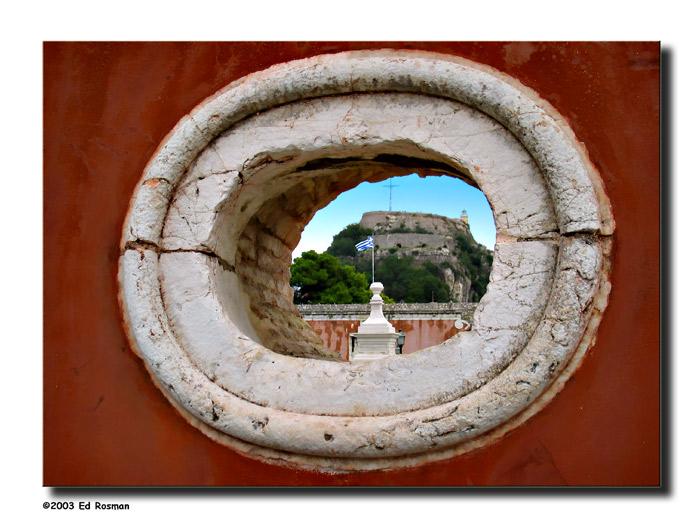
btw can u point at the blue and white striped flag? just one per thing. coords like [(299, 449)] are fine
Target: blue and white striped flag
[(366, 244)]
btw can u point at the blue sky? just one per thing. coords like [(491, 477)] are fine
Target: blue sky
[(440, 195)]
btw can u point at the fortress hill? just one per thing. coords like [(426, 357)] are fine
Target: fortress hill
[(462, 263)]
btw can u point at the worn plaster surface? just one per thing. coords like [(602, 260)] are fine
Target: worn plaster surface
[(208, 241)]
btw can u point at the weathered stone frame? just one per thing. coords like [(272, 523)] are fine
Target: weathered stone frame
[(334, 415)]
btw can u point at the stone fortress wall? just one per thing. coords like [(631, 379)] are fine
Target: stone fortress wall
[(383, 221), (414, 240)]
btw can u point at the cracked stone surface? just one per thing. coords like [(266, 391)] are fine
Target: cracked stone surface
[(273, 194), (194, 286), (148, 211), (207, 245)]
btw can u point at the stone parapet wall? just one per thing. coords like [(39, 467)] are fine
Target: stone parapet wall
[(419, 311)]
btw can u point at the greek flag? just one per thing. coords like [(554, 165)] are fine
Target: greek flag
[(366, 244)]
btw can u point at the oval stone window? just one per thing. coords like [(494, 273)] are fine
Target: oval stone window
[(207, 243)]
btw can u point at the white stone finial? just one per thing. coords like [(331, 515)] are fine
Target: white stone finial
[(376, 323), (376, 289), (376, 337)]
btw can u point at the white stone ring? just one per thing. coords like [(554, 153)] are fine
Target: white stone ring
[(207, 242)]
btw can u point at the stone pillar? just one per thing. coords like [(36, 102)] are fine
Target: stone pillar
[(375, 337)]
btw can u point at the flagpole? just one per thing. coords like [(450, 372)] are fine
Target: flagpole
[(372, 256)]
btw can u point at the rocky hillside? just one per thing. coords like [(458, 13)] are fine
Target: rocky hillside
[(419, 257)]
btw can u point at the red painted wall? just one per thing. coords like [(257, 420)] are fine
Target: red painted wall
[(106, 108), (420, 333)]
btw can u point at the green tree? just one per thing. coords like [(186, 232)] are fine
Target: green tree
[(405, 282), (322, 279), (344, 242)]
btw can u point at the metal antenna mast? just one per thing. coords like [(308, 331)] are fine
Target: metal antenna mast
[(390, 186)]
